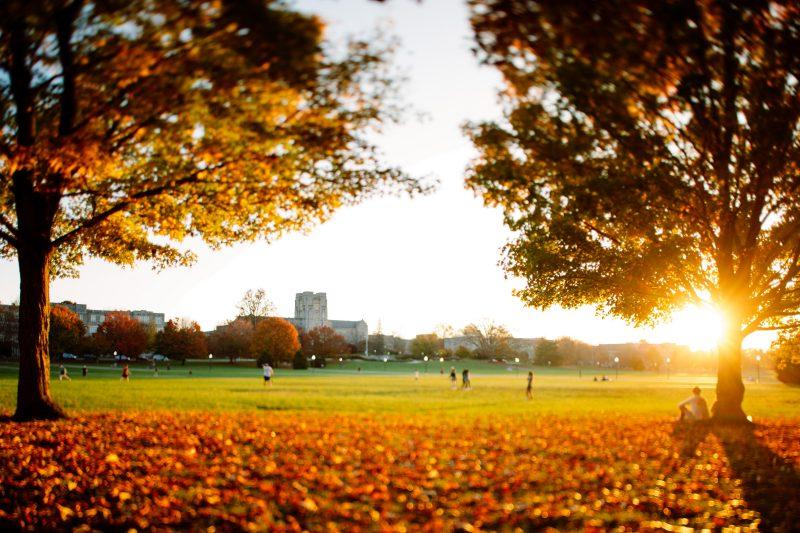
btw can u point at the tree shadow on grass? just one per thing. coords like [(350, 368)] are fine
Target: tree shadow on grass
[(770, 483)]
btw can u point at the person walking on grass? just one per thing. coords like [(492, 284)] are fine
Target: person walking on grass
[(268, 372), (62, 374), (126, 373), (466, 384), (529, 389), (694, 408), (453, 379)]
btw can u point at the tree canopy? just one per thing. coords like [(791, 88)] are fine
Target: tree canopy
[(648, 158), (131, 125), (120, 333), (181, 341), (488, 339), (67, 331), (275, 340), (254, 305), (323, 341)]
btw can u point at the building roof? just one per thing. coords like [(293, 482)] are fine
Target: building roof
[(342, 324)]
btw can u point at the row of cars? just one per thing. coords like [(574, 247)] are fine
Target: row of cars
[(155, 357)]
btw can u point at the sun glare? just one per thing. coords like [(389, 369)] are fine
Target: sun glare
[(700, 328)]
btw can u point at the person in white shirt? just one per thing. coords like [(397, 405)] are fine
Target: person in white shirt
[(693, 408), (268, 373)]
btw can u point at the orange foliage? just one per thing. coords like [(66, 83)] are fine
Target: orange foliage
[(294, 472), (275, 340), (122, 333)]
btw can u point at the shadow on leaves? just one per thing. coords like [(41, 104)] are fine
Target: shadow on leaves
[(771, 484)]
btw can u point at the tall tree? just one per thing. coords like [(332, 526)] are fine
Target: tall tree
[(254, 305), (548, 353), (488, 339), (275, 340), (121, 333), (129, 126), (232, 340), (648, 159), (67, 331), (425, 344), (323, 341), (182, 340)]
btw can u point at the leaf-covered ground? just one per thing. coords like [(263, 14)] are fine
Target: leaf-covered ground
[(295, 471)]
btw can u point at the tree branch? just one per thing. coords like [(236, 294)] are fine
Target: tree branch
[(20, 75), (132, 199), (65, 18), (9, 239), (11, 228)]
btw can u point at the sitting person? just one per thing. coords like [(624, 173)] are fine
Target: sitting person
[(693, 408)]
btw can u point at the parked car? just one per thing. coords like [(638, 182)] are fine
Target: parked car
[(69, 356), (158, 357), (121, 357)]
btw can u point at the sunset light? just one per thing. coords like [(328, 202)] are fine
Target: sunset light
[(698, 327)]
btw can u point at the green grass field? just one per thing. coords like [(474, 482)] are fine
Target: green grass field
[(390, 388)]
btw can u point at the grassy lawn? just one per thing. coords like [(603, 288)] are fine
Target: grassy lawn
[(390, 388), (346, 450)]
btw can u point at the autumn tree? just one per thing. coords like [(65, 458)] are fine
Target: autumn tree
[(462, 352), (67, 331), (120, 332), (648, 159), (323, 341), (182, 341), (254, 305), (785, 355), (232, 340), (275, 340), (548, 353), (130, 126), (488, 339), (424, 344), (574, 352)]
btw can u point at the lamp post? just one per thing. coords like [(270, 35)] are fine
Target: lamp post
[(758, 369), (210, 357), (340, 361), (616, 362), (385, 362), (516, 361), (668, 361), (313, 358), (426, 363), (441, 365)]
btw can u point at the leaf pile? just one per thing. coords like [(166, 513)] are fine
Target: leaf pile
[(292, 472)]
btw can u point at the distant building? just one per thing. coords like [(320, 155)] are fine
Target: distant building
[(311, 311), (92, 318)]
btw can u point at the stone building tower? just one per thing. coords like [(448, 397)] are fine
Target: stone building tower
[(311, 309)]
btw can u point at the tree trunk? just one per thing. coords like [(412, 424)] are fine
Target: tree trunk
[(33, 390), (730, 388)]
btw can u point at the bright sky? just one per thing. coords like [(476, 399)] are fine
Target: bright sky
[(409, 264)]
